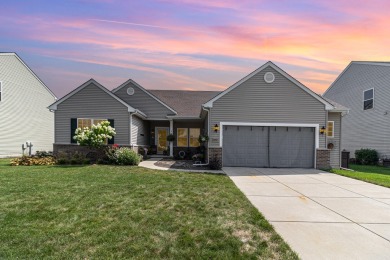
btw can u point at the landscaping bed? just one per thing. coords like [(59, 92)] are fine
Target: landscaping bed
[(179, 164), (104, 211)]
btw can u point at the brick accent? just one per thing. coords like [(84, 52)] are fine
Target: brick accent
[(70, 149), (215, 152), (323, 159)]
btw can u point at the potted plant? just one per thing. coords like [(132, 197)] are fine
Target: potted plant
[(203, 139)]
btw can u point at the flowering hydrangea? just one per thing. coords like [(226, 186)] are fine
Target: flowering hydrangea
[(96, 136)]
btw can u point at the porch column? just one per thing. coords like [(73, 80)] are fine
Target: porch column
[(171, 143)]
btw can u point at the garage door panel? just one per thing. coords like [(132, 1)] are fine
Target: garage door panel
[(245, 146), (291, 147)]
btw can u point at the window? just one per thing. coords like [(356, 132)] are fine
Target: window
[(330, 129), (1, 91), (368, 99), (194, 137), (88, 122), (182, 137)]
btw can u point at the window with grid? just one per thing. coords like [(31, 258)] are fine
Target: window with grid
[(194, 137), (182, 137), (330, 129), (368, 99)]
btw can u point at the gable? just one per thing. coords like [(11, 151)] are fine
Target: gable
[(254, 95), (14, 71), (143, 100), (255, 73)]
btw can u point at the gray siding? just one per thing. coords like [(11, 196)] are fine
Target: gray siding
[(335, 152), (92, 102), (139, 131), (142, 101), (364, 128), (23, 110), (257, 101)]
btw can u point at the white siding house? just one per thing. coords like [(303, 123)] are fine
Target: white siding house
[(24, 116)]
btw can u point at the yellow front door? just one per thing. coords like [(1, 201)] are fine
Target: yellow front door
[(162, 143)]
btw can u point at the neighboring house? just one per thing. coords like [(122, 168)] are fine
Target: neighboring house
[(364, 87), (24, 99), (267, 119)]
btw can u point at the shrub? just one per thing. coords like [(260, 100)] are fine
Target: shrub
[(123, 156), (366, 156), (215, 163), (96, 136), (43, 154), (30, 161)]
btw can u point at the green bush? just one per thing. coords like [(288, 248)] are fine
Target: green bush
[(123, 156), (366, 156)]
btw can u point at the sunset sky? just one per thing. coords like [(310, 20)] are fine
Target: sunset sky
[(191, 44)]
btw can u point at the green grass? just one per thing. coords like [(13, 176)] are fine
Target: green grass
[(373, 174), (128, 212)]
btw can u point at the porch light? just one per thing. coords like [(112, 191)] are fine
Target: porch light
[(216, 128), (322, 130)]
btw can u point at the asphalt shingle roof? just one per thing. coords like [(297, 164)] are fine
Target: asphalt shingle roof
[(184, 102)]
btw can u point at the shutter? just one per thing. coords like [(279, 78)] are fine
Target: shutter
[(73, 127), (112, 140)]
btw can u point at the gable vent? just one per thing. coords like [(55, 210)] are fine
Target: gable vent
[(269, 77), (130, 91)]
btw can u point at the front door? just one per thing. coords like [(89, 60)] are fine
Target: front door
[(161, 137)]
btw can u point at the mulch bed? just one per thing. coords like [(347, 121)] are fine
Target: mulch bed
[(179, 164)]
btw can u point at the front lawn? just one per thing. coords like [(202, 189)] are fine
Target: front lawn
[(373, 174), (122, 212)]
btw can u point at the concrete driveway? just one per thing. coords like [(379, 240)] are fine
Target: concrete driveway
[(321, 215)]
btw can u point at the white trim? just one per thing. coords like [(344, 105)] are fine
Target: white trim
[(316, 126), (156, 135), (184, 117), (373, 98), (144, 90), (328, 106), (30, 70), (1, 91), (97, 84), (131, 128), (327, 125), (171, 143)]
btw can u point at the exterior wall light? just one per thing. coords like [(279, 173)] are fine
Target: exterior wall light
[(322, 130), (216, 128)]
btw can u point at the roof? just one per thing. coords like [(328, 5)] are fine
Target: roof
[(144, 90), (370, 63), (28, 68), (328, 106), (337, 106), (186, 103), (92, 81)]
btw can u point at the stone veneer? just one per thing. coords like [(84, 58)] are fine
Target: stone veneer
[(323, 159), (212, 151)]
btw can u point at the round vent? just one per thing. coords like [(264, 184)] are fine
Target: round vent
[(130, 91), (269, 77)]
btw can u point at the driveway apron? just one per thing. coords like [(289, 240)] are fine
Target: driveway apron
[(321, 215)]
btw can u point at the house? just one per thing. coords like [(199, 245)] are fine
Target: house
[(24, 99), (364, 87), (267, 119)]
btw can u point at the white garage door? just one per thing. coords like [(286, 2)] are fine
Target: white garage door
[(258, 146)]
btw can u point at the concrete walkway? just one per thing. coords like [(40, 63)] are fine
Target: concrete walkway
[(150, 164), (320, 215)]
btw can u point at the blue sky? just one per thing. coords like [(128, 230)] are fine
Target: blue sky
[(188, 44)]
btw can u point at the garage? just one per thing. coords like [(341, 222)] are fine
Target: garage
[(268, 146)]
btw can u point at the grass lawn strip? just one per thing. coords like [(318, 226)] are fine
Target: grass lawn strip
[(374, 174), (120, 212)]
